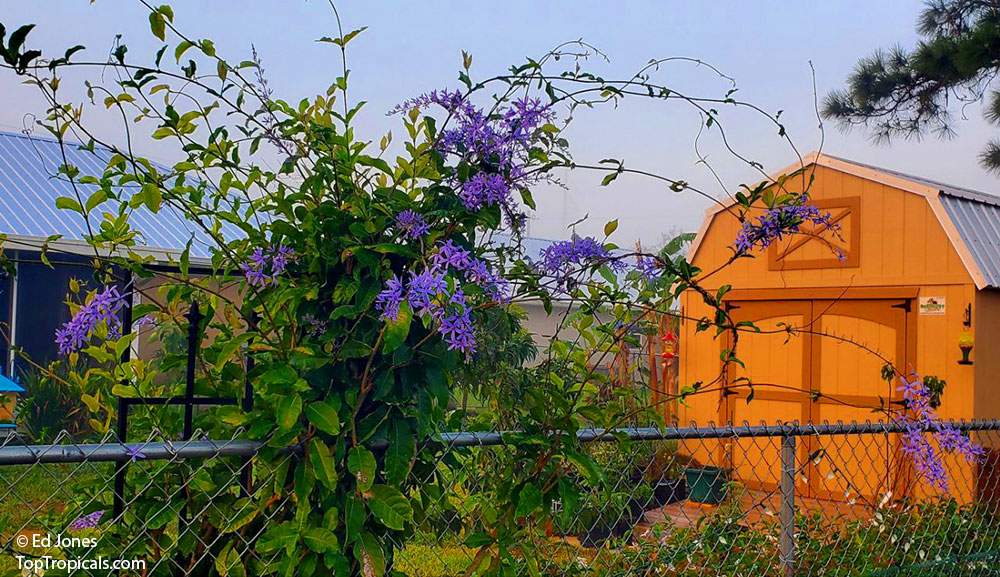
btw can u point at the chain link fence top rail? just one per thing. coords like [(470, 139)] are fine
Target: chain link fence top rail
[(830, 499)]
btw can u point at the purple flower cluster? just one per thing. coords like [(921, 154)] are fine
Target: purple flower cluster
[(262, 269), (780, 221), (648, 267), (434, 293), (559, 258), (411, 224), (496, 142), (922, 424), (314, 326), (103, 308), (449, 100), (89, 521)]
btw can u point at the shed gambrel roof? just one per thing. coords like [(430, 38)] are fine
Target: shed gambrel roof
[(29, 187), (970, 218)]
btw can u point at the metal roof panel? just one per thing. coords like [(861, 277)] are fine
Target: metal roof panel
[(30, 185)]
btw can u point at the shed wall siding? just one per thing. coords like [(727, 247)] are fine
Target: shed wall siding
[(902, 245)]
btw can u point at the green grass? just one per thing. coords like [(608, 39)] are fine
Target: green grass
[(430, 560), (29, 494)]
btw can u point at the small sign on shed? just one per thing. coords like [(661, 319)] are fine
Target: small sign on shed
[(932, 306)]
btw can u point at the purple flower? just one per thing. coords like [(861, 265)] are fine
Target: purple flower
[(411, 224), (143, 321), (134, 452), (316, 327), (89, 521), (449, 100), (455, 324), (387, 302), (450, 255), (262, 269), (424, 288), (922, 425), (435, 292), (280, 259), (780, 221), (485, 190), (103, 308), (559, 258), (648, 267), (497, 142)]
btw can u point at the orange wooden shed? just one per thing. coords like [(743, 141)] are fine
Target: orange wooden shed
[(920, 275)]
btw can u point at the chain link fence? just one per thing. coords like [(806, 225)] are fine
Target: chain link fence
[(837, 499)]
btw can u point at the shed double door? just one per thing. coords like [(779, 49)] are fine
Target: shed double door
[(816, 361)]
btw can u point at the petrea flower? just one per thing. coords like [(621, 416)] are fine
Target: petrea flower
[(262, 269), (559, 258), (780, 221), (134, 452), (143, 321), (280, 259), (450, 255), (411, 225), (424, 288), (921, 424), (497, 142), (447, 99), (455, 324), (435, 292), (387, 302), (89, 521), (484, 189), (648, 267), (103, 308), (315, 326)]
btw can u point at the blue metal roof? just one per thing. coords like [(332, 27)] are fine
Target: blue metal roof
[(978, 223), (9, 386), (30, 185)]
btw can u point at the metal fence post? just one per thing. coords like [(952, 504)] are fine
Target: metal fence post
[(194, 320), (788, 504)]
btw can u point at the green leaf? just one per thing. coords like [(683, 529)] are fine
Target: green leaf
[(229, 563), (590, 470), (279, 375), (288, 411), (368, 552), (400, 453), (152, 196), (182, 47), (397, 330), (242, 512), (280, 536), (67, 203), (227, 350), (323, 465), (610, 227), (158, 25), (321, 540), (529, 499), (361, 463), (96, 199), (390, 507), (324, 415)]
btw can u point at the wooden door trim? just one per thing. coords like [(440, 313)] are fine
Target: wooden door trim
[(834, 293)]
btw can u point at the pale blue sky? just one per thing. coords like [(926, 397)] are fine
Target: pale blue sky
[(412, 47)]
